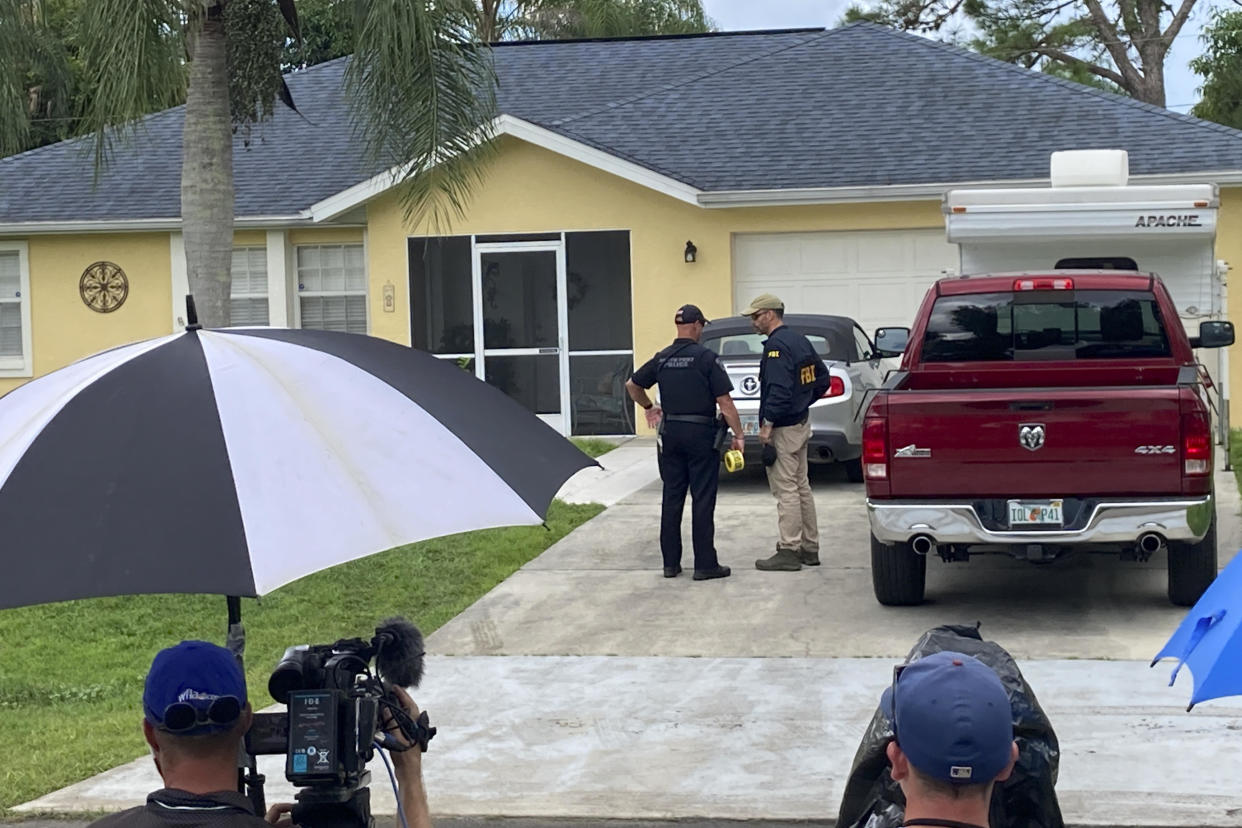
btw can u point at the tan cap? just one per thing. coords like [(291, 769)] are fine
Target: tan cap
[(764, 301)]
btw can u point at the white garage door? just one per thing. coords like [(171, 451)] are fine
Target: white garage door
[(877, 277)]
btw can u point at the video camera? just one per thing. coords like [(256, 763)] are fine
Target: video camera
[(335, 716)]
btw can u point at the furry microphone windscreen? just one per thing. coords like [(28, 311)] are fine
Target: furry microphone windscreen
[(399, 655)]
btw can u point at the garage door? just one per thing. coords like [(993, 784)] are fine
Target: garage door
[(876, 277)]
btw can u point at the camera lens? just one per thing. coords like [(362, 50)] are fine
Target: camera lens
[(289, 674)]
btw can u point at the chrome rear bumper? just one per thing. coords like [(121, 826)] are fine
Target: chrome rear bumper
[(1112, 521)]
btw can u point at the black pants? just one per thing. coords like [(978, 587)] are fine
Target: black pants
[(689, 461)]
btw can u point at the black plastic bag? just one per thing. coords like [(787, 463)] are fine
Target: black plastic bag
[(1027, 799)]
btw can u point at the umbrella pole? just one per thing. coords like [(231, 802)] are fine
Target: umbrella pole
[(249, 780)]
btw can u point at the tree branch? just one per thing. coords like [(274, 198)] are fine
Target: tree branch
[(1098, 71), (1179, 20), (1132, 79)]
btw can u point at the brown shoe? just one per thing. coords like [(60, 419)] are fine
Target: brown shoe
[(785, 560)]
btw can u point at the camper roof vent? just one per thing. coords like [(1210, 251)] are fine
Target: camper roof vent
[(1090, 168)]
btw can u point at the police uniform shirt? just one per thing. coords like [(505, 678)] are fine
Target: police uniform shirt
[(787, 375), (690, 377)]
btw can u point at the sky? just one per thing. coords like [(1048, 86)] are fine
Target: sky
[(1181, 84)]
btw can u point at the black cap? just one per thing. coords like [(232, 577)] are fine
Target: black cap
[(689, 314)]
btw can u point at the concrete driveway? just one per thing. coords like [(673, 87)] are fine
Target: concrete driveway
[(600, 591)]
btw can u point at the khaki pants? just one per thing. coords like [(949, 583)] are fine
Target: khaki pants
[(795, 508)]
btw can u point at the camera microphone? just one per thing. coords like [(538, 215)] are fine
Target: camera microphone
[(399, 652)]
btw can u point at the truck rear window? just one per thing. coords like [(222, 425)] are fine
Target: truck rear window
[(1046, 325)]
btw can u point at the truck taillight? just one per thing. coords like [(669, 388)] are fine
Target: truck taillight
[(1043, 284), (875, 448), (1196, 444), (836, 387)]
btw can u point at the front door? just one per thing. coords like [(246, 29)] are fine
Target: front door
[(520, 322)]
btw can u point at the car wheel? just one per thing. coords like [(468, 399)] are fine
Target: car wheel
[(898, 574), (854, 470), (1192, 567)]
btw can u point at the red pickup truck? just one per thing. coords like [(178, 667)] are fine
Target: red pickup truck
[(1037, 414)]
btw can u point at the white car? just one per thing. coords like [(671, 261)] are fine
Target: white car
[(836, 418)]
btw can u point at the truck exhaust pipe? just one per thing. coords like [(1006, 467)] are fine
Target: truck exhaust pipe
[(1150, 542), (923, 544)]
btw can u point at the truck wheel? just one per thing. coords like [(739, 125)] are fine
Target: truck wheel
[(1192, 566), (853, 470), (898, 575)]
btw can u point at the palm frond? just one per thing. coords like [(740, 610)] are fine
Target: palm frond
[(423, 97), (133, 64), (15, 48)]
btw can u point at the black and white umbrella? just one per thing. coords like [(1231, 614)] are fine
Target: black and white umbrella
[(234, 461)]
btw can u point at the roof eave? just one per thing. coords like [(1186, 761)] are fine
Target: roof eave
[(794, 197), (153, 225)]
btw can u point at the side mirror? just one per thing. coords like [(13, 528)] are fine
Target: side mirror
[(891, 342), (1213, 335)]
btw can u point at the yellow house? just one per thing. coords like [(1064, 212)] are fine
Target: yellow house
[(632, 176)]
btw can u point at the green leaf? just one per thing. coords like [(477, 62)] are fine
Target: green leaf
[(131, 63), (423, 99)]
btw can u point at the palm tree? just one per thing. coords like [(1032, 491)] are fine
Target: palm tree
[(422, 87)]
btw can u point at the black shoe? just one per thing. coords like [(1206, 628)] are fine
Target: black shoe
[(672, 571), (708, 574)]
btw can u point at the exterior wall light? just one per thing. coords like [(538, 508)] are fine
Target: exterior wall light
[(691, 252)]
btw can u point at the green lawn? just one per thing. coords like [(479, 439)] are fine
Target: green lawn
[(593, 446), (71, 674)]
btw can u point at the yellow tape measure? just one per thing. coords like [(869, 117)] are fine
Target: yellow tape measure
[(734, 461)]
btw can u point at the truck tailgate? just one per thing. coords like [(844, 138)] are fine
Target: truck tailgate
[(1049, 443)]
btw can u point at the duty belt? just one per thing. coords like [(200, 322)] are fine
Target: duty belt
[(697, 419)]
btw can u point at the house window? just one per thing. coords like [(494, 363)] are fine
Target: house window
[(15, 358), (332, 287), (249, 296)]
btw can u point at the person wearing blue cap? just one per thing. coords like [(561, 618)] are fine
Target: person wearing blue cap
[(952, 739), (195, 716)]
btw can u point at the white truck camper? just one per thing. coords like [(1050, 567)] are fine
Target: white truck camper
[(1092, 216)]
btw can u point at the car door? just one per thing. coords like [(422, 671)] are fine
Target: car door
[(870, 371)]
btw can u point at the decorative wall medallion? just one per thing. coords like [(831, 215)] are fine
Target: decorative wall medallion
[(103, 287)]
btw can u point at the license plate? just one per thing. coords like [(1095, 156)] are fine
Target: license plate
[(1035, 513), (750, 425)]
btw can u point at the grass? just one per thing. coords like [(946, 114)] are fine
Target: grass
[(71, 673), (1235, 454), (594, 446)]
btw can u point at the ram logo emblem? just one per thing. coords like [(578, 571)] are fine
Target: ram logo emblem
[(1031, 436)]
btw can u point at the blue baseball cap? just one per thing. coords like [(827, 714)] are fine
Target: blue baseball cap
[(197, 673), (953, 720)]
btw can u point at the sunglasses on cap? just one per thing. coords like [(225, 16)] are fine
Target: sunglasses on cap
[(182, 716)]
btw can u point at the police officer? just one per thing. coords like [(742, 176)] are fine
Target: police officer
[(692, 383), (791, 377)]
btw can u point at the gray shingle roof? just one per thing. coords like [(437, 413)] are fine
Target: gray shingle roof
[(855, 106)]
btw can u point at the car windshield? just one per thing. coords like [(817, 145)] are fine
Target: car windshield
[(1047, 325), (751, 344)]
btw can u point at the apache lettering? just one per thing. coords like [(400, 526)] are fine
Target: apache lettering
[(1188, 220)]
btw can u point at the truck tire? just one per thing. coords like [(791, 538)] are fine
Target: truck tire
[(1192, 566), (898, 575), (854, 470)]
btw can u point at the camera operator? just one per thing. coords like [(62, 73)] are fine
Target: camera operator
[(196, 716)]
